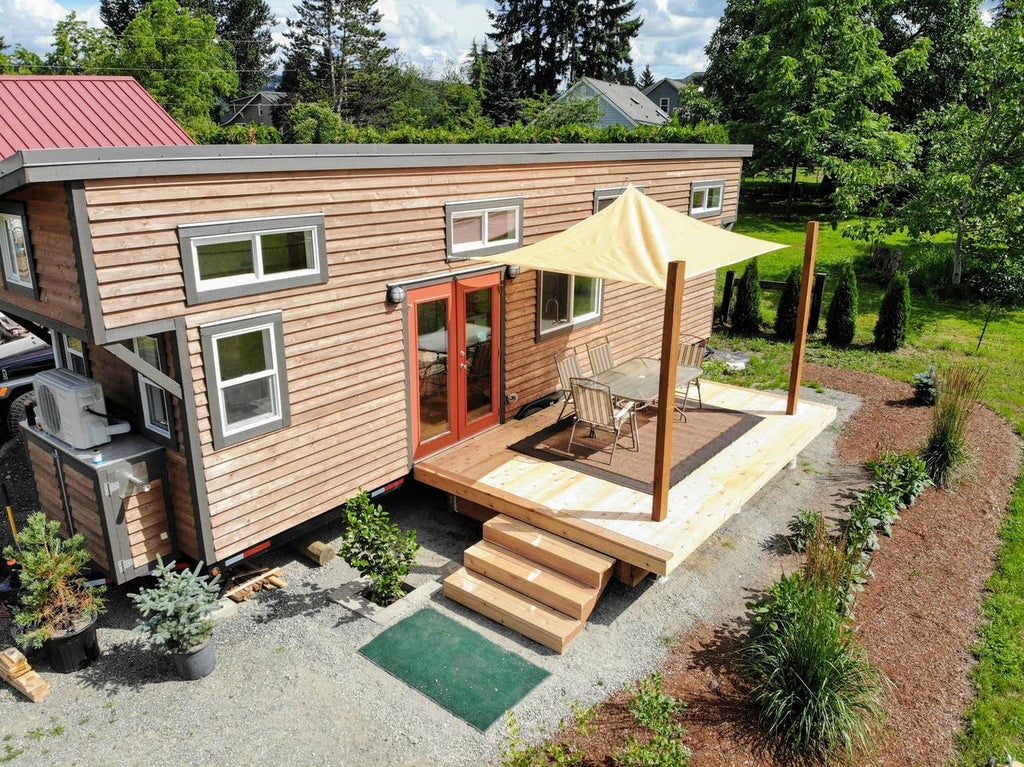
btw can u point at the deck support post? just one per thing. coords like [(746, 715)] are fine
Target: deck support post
[(674, 283), (796, 368)]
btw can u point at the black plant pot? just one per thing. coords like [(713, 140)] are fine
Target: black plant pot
[(197, 662), (73, 650)]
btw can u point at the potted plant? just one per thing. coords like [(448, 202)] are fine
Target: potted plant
[(176, 612), (57, 610)]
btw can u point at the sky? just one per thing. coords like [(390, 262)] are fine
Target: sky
[(431, 33)]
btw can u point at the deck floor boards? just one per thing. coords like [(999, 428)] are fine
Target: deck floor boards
[(616, 520)]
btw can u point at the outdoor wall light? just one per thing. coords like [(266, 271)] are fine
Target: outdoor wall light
[(511, 272), (396, 294)]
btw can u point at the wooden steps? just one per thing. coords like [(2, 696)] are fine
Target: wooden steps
[(530, 580)]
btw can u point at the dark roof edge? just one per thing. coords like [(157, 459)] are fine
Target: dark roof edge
[(34, 166)]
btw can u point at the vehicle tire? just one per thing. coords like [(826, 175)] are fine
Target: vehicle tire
[(16, 412)]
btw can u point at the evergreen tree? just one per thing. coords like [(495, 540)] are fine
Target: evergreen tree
[(646, 78), (746, 316), (841, 320), (247, 24), (502, 87), (336, 53), (893, 315), (789, 307)]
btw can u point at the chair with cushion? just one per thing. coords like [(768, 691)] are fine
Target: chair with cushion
[(600, 352), (692, 352), (568, 365), (595, 408)]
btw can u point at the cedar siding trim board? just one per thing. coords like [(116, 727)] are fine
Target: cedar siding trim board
[(85, 263), (35, 166), (17, 209), (196, 292)]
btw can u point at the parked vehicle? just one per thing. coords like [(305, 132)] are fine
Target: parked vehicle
[(15, 339), (16, 372)]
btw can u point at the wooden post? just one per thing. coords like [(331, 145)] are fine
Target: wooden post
[(796, 369), (674, 283)]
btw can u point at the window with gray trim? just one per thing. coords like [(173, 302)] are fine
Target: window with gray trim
[(227, 259), (70, 354), (706, 198), (156, 403), (483, 227), (15, 252), (246, 380)]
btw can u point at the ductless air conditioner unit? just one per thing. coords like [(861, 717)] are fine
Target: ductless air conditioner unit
[(63, 404)]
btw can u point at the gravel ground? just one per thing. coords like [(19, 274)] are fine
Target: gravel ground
[(291, 688)]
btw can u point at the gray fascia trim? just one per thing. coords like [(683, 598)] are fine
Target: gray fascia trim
[(207, 334), (142, 329), (194, 294), (442, 277), (85, 262), (34, 166), (41, 319), (190, 431), (139, 365), (17, 208), (469, 206)]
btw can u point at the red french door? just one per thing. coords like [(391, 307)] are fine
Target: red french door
[(454, 345)]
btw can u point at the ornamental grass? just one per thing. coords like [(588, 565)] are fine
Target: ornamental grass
[(947, 454)]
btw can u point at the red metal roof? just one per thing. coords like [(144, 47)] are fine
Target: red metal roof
[(61, 111)]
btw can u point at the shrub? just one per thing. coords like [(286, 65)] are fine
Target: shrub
[(804, 526), (176, 611), (789, 307), (746, 316), (54, 596), (659, 712), (893, 315), (377, 548), (926, 386), (900, 476), (946, 452), (841, 319)]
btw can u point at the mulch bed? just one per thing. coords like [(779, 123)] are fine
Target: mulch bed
[(917, 618)]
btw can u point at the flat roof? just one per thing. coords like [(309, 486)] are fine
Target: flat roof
[(36, 166)]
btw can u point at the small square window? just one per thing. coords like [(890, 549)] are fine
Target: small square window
[(566, 301), (72, 355), (156, 403), (247, 385), (15, 251), (706, 198), (664, 105), (239, 258), (483, 227)]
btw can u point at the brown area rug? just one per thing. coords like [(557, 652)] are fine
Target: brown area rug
[(695, 441)]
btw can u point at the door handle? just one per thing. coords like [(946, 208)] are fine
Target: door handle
[(464, 366)]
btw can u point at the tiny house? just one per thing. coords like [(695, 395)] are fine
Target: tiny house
[(272, 328)]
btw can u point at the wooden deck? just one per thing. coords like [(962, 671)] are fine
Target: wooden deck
[(616, 520)]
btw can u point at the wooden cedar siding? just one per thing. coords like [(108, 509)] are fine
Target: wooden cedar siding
[(47, 484), (53, 255), (145, 519), (343, 345)]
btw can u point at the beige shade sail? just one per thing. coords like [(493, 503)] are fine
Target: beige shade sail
[(633, 240)]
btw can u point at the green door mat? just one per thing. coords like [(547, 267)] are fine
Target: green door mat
[(470, 676)]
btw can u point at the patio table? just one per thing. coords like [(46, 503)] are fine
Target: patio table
[(637, 379)]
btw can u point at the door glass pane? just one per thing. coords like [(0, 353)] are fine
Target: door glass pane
[(554, 300), (432, 358), (584, 297), (479, 399)]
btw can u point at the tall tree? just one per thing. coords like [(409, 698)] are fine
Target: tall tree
[(503, 87), (247, 24), (336, 52), (116, 15), (79, 49), (646, 78)]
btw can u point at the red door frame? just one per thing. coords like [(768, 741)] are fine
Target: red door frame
[(490, 281)]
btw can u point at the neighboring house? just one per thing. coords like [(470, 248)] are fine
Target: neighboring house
[(665, 93), (273, 324), (620, 104), (255, 108)]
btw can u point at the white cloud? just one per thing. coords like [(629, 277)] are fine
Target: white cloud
[(31, 22)]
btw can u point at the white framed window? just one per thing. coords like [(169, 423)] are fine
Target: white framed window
[(483, 227), (246, 381), (15, 252), (70, 354), (228, 259), (156, 403), (706, 198), (566, 301), (664, 105)]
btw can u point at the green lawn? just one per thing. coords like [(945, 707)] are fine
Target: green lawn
[(942, 331)]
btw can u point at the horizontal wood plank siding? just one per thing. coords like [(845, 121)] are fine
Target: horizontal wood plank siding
[(145, 518), (85, 512), (48, 485), (344, 345), (53, 254)]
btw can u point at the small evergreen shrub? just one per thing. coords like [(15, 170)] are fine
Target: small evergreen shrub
[(946, 453), (893, 315), (803, 527), (54, 596), (176, 611), (746, 316), (841, 319), (377, 548), (926, 386), (900, 476), (789, 307)]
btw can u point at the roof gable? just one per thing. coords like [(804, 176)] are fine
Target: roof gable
[(626, 99), (64, 111)]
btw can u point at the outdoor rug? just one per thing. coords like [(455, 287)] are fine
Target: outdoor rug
[(702, 436), (468, 675)]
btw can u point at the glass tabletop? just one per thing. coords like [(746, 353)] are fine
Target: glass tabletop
[(637, 379)]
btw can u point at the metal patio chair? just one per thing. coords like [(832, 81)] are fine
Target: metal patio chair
[(595, 408), (692, 352), (600, 352), (568, 365)]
